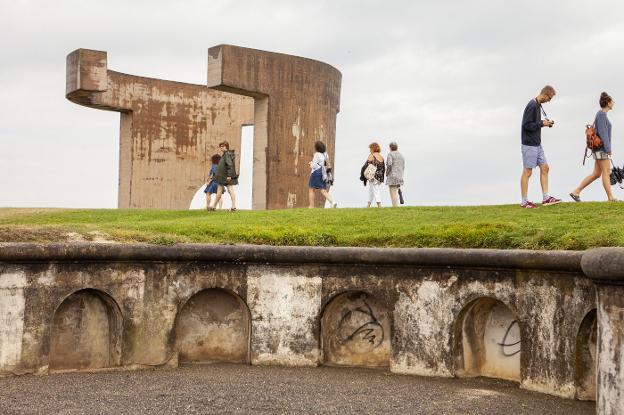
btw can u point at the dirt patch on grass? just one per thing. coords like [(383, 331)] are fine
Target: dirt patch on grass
[(49, 234), (25, 234), (92, 236)]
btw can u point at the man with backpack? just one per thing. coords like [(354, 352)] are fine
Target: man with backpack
[(532, 151)]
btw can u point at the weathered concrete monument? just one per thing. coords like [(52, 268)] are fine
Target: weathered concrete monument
[(551, 321), (296, 103), (170, 129)]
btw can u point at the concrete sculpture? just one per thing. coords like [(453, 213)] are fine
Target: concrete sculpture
[(170, 129), (296, 103)]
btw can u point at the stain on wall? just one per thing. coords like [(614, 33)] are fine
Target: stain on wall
[(610, 376), (12, 303), (284, 309), (423, 314)]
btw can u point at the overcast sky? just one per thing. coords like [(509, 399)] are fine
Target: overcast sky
[(448, 80)]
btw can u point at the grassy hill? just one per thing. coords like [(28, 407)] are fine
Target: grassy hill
[(564, 226)]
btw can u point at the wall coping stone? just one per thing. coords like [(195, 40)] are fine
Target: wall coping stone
[(604, 265), (569, 261)]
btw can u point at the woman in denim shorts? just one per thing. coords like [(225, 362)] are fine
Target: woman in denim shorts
[(319, 167), (602, 155)]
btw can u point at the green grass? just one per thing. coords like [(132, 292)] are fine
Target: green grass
[(565, 226)]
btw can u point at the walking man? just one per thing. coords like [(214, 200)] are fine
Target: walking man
[(532, 151)]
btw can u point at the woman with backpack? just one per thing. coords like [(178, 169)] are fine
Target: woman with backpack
[(226, 175), (320, 172), (373, 173), (602, 154)]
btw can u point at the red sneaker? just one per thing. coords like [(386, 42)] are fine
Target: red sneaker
[(528, 205), (550, 201)]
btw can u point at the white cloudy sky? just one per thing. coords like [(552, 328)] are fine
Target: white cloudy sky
[(448, 80)]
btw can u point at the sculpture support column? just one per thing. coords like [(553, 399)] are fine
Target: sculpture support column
[(296, 100), (606, 268)]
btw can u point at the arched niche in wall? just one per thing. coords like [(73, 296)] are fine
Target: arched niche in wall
[(487, 341), (355, 331), (585, 358), (86, 332), (213, 326)]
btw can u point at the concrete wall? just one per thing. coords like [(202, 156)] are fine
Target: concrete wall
[(520, 315), (606, 268)]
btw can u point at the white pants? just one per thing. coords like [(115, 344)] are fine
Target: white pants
[(394, 195), (374, 191)]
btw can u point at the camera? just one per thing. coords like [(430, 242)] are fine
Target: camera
[(550, 126), (617, 176)]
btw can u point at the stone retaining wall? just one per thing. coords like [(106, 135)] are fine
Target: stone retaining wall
[(520, 315)]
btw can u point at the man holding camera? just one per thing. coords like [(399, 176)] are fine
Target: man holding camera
[(532, 151)]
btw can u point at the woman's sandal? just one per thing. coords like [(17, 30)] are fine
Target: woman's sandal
[(576, 198), (232, 209)]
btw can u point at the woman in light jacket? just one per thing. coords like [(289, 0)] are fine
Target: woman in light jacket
[(602, 155), (395, 164)]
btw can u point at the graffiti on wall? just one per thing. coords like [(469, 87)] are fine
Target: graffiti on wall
[(355, 331), (508, 347), (361, 325)]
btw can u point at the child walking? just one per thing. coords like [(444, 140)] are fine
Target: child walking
[(211, 183)]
